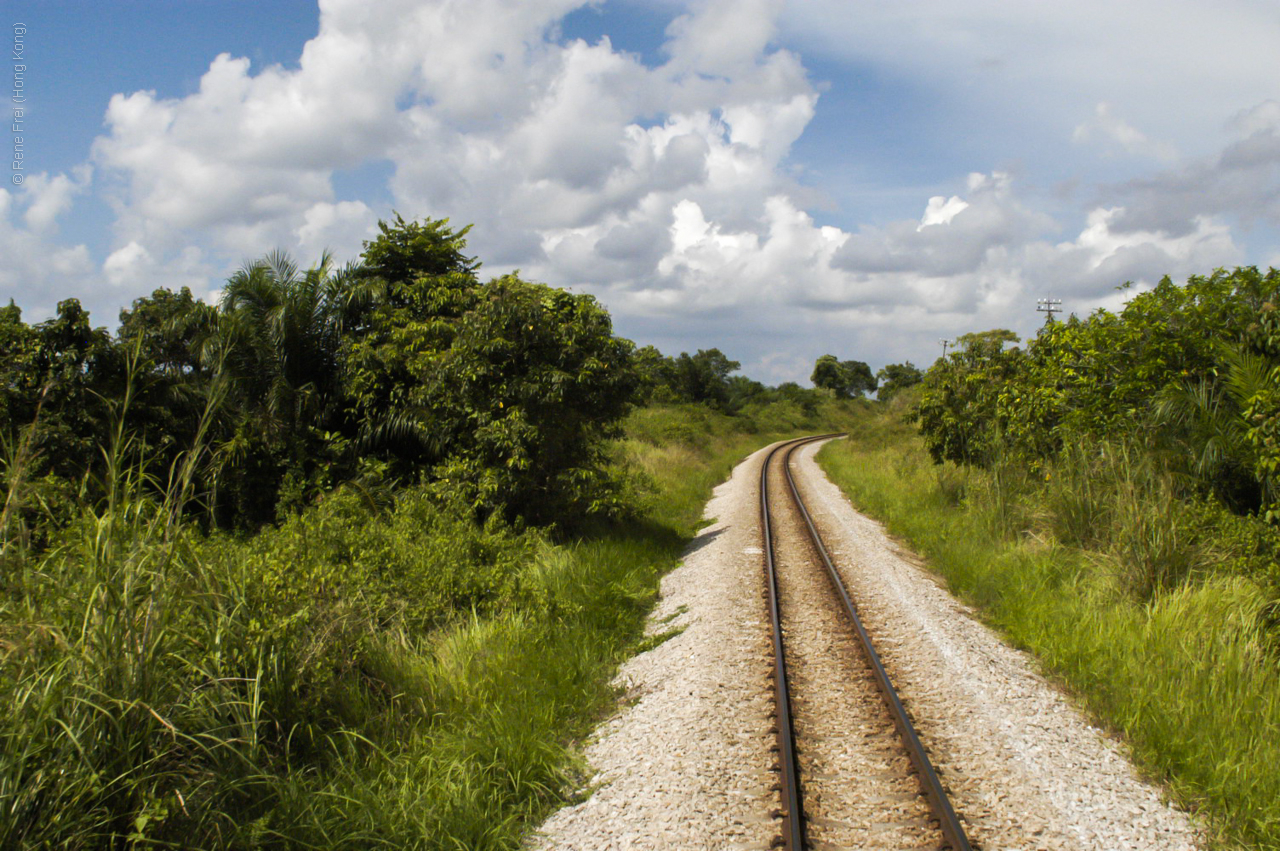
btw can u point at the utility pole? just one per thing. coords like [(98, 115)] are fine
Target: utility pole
[(1049, 306), (945, 343)]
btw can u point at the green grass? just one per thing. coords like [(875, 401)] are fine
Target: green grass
[(686, 450), (1138, 603), (373, 673)]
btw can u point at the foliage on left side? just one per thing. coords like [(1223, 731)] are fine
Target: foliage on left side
[(401, 366)]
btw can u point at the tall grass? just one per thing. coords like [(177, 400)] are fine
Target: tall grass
[(113, 725), (1153, 610), (161, 694), (368, 674)]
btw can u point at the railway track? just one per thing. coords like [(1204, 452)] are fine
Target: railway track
[(853, 773)]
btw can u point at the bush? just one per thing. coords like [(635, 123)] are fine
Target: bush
[(160, 684)]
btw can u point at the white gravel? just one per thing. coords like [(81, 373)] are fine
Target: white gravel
[(1024, 766), (685, 763)]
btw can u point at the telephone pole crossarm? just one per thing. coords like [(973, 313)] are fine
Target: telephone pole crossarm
[(1049, 306)]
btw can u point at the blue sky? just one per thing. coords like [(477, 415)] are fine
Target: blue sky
[(777, 179)]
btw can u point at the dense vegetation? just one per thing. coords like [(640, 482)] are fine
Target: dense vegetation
[(400, 366), (344, 561), (1189, 372), (845, 379), (1107, 495)]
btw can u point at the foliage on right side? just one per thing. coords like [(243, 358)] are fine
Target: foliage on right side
[(1108, 494), (1190, 374)]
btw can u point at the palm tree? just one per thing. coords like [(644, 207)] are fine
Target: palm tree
[(277, 337), (1209, 416)]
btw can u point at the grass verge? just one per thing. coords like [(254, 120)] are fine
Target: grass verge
[(377, 672), (1120, 596)]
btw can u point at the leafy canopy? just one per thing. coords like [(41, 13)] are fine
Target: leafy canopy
[(845, 379)]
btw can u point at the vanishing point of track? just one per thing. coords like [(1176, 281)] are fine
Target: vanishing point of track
[(795, 800)]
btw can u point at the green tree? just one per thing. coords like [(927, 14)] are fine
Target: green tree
[(1189, 371), (845, 379), (704, 377), (1162, 367), (896, 377), (19, 381), (958, 403), (404, 365), (166, 329), (68, 371), (532, 384), (404, 252), (277, 337), (743, 391), (657, 375), (60, 385), (505, 391), (416, 285), (161, 335)]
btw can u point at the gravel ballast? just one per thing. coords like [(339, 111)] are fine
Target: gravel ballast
[(685, 763)]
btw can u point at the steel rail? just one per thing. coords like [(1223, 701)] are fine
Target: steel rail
[(952, 830), (788, 768)]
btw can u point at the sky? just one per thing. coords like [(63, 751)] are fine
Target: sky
[(779, 179)]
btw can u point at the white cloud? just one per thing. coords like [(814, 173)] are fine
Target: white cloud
[(1241, 180), (337, 228), (722, 37), (134, 270), (37, 271), (1109, 129), (49, 197), (126, 264), (668, 189), (941, 210)]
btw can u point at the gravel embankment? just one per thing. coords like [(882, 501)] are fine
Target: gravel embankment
[(1024, 767), (685, 762)]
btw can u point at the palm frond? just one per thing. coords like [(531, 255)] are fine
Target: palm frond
[(398, 429), (1247, 373), (281, 267)]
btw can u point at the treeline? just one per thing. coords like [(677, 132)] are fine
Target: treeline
[(1178, 395), (707, 378), (400, 366)]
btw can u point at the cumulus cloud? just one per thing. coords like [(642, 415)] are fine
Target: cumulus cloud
[(126, 264), (484, 117), (48, 197), (955, 236), (340, 229), (665, 187), (1242, 180), (941, 210), (37, 270), (135, 271)]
